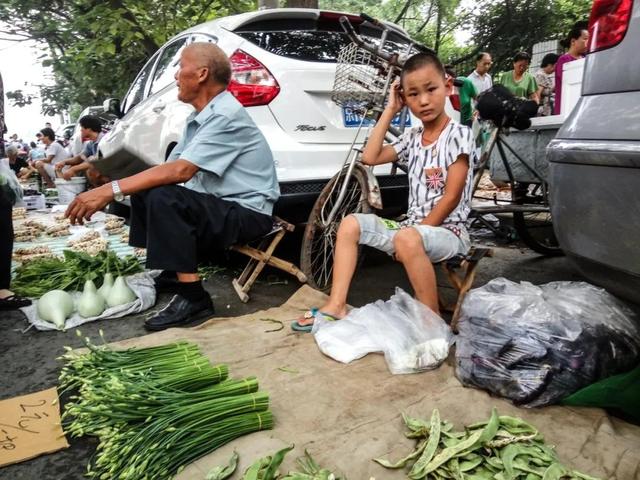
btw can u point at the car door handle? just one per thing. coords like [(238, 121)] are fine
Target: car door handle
[(158, 107)]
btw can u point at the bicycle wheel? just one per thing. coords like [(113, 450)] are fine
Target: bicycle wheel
[(534, 228), (316, 257)]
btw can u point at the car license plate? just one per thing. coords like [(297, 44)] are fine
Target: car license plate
[(352, 118)]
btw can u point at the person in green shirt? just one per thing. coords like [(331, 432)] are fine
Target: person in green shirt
[(519, 81), (466, 93)]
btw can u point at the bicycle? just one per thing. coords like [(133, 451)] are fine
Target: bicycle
[(363, 78), (528, 202), (364, 74)]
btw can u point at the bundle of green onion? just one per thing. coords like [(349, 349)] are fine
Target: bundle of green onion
[(156, 409)]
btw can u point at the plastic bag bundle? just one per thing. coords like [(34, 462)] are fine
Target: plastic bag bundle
[(411, 336), (10, 188), (538, 344)]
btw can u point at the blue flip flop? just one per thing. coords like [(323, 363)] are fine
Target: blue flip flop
[(296, 327)]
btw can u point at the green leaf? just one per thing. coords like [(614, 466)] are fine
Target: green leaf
[(222, 473)]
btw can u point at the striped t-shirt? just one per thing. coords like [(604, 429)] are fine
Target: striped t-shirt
[(427, 171)]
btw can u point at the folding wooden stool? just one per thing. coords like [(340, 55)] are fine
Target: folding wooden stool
[(261, 255), (461, 271)]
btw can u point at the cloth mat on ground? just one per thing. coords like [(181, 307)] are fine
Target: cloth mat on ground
[(347, 414)]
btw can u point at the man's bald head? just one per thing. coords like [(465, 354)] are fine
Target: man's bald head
[(211, 56)]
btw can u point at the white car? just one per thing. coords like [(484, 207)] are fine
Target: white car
[(284, 62)]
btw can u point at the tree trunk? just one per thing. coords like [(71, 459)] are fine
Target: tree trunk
[(301, 4), (436, 47)]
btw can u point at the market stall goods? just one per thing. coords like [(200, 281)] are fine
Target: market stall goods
[(35, 278), (119, 293), (156, 409), (18, 213), (90, 303), (28, 254), (55, 307), (501, 448)]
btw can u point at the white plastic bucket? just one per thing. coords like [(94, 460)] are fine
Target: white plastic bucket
[(69, 189)]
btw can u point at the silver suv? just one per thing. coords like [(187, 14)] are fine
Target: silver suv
[(595, 157)]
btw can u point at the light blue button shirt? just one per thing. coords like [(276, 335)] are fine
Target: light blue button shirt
[(233, 156)]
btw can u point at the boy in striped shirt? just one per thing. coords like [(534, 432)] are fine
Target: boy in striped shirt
[(438, 155)]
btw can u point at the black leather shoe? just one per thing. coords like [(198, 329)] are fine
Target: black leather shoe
[(180, 312)]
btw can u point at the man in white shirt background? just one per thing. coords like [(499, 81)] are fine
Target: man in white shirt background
[(54, 153), (480, 76)]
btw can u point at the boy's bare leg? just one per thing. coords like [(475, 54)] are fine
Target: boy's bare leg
[(345, 258), (45, 176), (410, 252)]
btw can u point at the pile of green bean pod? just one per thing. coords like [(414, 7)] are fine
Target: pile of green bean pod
[(504, 448), (155, 409)]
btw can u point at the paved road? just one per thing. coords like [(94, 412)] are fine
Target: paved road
[(28, 358)]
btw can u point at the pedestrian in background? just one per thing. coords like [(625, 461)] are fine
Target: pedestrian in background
[(576, 43), (467, 94), (545, 77), (54, 153), (519, 81), (480, 76)]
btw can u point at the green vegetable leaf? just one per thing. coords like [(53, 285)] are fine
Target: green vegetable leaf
[(271, 471), (222, 473)]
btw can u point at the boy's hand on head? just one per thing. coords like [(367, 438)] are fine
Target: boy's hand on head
[(396, 102)]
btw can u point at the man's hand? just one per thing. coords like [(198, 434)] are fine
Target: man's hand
[(69, 173), (88, 203), (60, 165)]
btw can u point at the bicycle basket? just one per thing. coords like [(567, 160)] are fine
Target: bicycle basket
[(360, 80)]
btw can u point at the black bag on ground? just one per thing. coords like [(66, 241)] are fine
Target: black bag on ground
[(538, 344)]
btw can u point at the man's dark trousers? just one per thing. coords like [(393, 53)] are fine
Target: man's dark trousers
[(178, 226)]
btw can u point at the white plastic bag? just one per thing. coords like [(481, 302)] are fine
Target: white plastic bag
[(411, 336), (10, 188)]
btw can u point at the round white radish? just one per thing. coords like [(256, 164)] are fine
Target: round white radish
[(90, 303), (120, 293), (107, 283), (55, 307)]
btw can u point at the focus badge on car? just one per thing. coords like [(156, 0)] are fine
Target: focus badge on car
[(310, 128)]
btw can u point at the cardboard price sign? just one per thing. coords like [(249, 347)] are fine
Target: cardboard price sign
[(30, 426)]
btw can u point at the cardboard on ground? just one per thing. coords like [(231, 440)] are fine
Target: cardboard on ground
[(30, 426)]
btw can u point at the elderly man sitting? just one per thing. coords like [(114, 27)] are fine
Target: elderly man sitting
[(218, 187)]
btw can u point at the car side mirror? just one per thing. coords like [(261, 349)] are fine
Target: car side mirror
[(112, 105)]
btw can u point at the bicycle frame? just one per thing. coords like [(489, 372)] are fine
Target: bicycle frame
[(393, 63), (496, 139)]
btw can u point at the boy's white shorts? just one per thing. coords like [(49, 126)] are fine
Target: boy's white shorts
[(439, 243)]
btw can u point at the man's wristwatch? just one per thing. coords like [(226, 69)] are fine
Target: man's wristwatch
[(118, 196)]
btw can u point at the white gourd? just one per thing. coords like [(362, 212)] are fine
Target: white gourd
[(107, 283), (120, 293), (90, 303), (55, 307)]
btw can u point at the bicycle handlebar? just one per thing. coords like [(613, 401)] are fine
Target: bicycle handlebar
[(377, 50)]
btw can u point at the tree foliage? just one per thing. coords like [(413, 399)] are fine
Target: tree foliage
[(95, 47), (431, 22), (501, 27), (504, 28)]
